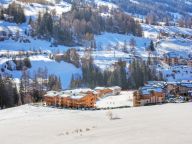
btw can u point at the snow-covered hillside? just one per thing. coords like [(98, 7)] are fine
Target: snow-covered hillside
[(62, 69), (170, 123), (32, 9), (153, 31)]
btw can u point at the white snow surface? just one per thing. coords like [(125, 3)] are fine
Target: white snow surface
[(32, 9), (160, 124), (125, 98), (61, 69), (105, 3)]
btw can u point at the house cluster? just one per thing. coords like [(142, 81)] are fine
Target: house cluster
[(79, 98), (154, 92), (175, 58)]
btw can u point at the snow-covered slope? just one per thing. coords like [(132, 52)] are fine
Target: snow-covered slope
[(170, 123), (153, 31), (61, 69), (32, 9)]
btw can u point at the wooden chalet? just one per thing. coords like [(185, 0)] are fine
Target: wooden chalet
[(78, 98), (149, 94), (171, 59), (179, 88), (71, 99)]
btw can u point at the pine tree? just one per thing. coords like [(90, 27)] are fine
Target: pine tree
[(151, 46), (27, 62), (30, 20)]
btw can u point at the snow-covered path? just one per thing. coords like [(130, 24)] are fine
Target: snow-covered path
[(170, 123)]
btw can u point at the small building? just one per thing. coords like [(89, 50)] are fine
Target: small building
[(171, 58), (182, 88), (105, 91), (172, 88), (185, 88)]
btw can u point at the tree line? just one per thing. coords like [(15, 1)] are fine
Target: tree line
[(30, 89), (81, 24), (119, 74), (15, 10)]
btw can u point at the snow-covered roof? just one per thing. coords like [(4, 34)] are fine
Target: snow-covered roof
[(52, 93), (115, 88), (147, 90), (189, 85), (177, 55), (74, 94), (156, 86)]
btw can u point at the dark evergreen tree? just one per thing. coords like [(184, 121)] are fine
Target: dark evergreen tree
[(151, 46)]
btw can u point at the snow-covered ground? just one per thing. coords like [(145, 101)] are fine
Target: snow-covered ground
[(32, 9), (176, 73), (37, 44), (179, 45), (105, 3), (152, 30), (169, 123), (124, 99), (61, 69)]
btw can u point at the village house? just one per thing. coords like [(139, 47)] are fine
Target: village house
[(183, 88), (172, 88), (171, 58), (174, 58), (151, 93), (105, 91), (71, 99)]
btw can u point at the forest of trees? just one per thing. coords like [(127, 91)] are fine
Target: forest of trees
[(133, 77), (70, 56), (81, 24), (9, 96), (159, 11), (32, 87), (14, 10)]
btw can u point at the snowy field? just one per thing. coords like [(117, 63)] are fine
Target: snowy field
[(124, 99), (161, 124)]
